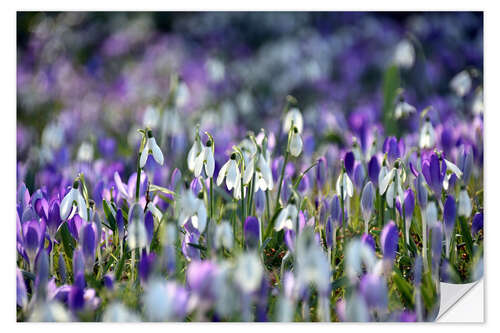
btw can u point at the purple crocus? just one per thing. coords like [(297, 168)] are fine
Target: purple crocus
[(391, 148), (373, 169), (33, 237), (465, 163), (434, 171), (150, 227), (367, 199), (436, 245), (108, 281), (54, 219), (449, 214), (199, 277), (321, 172), (374, 290), (88, 242), (421, 191), (335, 210), (409, 206), (358, 176), (146, 265), (252, 232), (368, 240), (120, 224), (349, 162), (477, 223), (78, 262), (389, 241), (21, 293)]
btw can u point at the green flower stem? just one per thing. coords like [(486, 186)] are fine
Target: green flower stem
[(243, 215), (138, 181), (285, 161)]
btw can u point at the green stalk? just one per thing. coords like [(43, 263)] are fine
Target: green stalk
[(285, 161), (138, 181), (243, 217)]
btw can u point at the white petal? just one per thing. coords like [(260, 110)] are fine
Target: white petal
[(348, 185), (337, 185), (67, 204), (210, 165), (232, 174), (122, 188), (144, 155), (249, 169), (202, 216), (193, 153), (389, 195), (280, 220), (453, 168), (198, 164), (385, 182), (157, 154), (222, 173), (295, 145), (294, 116), (82, 206)]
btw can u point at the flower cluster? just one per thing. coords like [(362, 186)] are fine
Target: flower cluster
[(176, 183)]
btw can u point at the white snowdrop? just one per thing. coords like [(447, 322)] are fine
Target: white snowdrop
[(286, 218), (404, 55), (205, 158), (345, 182), (224, 236), (293, 116), (151, 147), (427, 135), (73, 196), (136, 235), (231, 172), (464, 204), (248, 272), (461, 83), (295, 142)]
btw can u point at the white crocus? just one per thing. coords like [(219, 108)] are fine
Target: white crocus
[(461, 83), (345, 182), (286, 218), (427, 135), (205, 158), (295, 142), (151, 147), (231, 172), (464, 204), (224, 236), (73, 196), (388, 186), (293, 117)]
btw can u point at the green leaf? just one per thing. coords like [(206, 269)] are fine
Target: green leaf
[(121, 264), (156, 188), (67, 240), (404, 288), (390, 89), (465, 232), (109, 215)]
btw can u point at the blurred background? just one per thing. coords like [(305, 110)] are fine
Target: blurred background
[(87, 81)]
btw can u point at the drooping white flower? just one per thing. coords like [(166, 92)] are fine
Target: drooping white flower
[(151, 147), (295, 143), (404, 55), (248, 272), (388, 186), (286, 218), (224, 236), (461, 83), (264, 176), (192, 208), (293, 116), (464, 204), (427, 135), (231, 172), (205, 158), (73, 196), (453, 168), (403, 109), (344, 185), (249, 167), (193, 153)]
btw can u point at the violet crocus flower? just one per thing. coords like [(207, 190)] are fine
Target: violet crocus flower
[(389, 241), (367, 199), (42, 276), (321, 172), (436, 246), (335, 210), (349, 162), (78, 262), (120, 224), (449, 216), (260, 202), (373, 169), (108, 281), (146, 265), (149, 225), (434, 171), (374, 289), (54, 219), (88, 242), (21, 293), (252, 232), (465, 162), (477, 223), (368, 240), (421, 191), (358, 176), (391, 148), (199, 277), (33, 236)]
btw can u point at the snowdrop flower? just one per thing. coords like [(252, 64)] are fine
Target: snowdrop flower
[(344, 185), (224, 236), (295, 142), (427, 135), (73, 196), (391, 185), (404, 55), (453, 168), (403, 109), (286, 218), (231, 172), (193, 153), (248, 272), (461, 83), (193, 208), (117, 312), (293, 116), (205, 158), (358, 254), (249, 167), (264, 175), (464, 203), (151, 147)]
